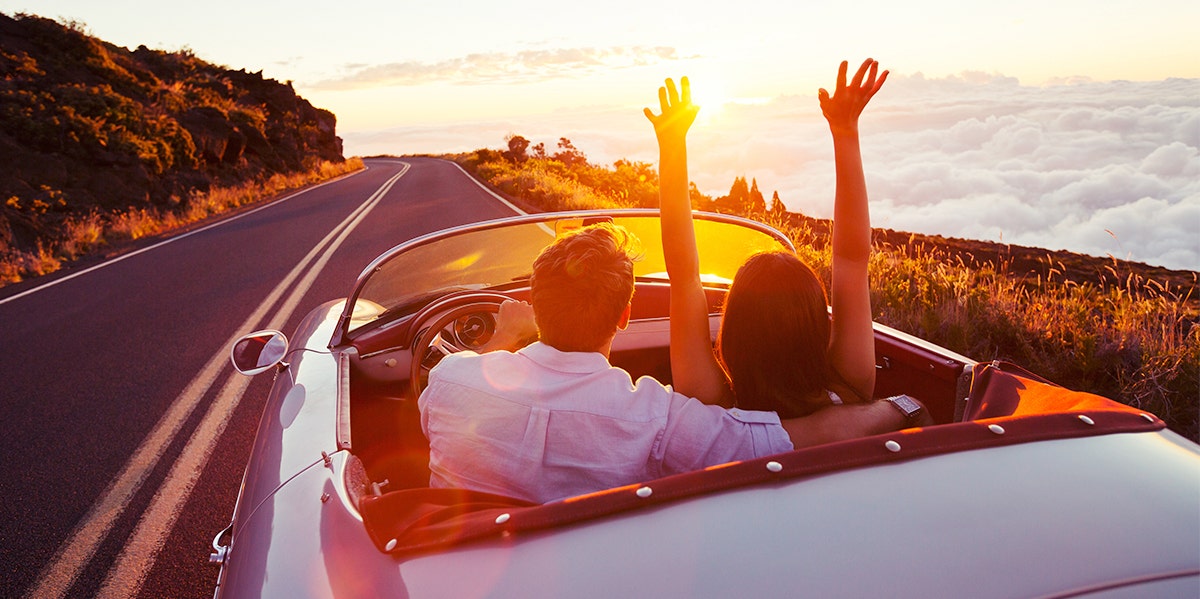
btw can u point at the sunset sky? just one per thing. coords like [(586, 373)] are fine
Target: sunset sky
[(1063, 124)]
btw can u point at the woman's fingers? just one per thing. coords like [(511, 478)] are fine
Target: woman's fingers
[(879, 83), (672, 92), (858, 76), (676, 111), (672, 97)]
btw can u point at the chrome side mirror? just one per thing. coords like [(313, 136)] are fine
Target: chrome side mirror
[(563, 226), (258, 351)]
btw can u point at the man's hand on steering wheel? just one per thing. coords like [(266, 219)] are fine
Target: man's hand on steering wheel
[(515, 327)]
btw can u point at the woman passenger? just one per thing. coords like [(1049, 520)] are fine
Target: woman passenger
[(779, 348)]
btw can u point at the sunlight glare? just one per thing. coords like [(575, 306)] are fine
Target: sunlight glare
[(710, 94)]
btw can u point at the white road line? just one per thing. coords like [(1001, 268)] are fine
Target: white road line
[(541, 226), (129, 572), (79, 548), (50, 284)]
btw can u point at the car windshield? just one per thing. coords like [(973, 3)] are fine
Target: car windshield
[(498, 253)]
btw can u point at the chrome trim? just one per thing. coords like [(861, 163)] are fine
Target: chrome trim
[(949, 356), (343, 399), (220, 552)]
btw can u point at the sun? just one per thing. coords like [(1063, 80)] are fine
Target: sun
[(710, 94)]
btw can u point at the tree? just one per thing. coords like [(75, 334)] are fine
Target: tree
[(568, 154), (539, 150), (699, 200), (516, 148), (630, 183), (755, 203), (777, 206), (738, 199)]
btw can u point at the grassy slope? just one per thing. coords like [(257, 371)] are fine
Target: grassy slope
[(101, 144)]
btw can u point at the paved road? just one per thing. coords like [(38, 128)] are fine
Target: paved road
[(100, 368)]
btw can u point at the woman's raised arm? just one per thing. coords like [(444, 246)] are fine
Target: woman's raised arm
[(852, 344), (694, 369)]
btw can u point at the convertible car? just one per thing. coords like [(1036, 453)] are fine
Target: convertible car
[(1021, 489)]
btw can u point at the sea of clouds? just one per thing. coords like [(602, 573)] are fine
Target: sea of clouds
[(1100, 168)]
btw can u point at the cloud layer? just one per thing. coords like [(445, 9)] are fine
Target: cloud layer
[(1101, 168), (1098, 168), (529, 66)]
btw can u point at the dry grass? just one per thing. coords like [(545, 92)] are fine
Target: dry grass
[(82, 235), (545, 183), (1128, 338)]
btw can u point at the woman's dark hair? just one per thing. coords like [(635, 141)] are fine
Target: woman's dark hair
[(774, 336)]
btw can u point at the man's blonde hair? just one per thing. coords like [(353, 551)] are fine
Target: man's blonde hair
[(580, 286)]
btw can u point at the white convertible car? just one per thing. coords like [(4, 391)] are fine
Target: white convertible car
[(1021, 489)]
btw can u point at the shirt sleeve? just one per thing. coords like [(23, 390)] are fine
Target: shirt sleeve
[(698, 435)]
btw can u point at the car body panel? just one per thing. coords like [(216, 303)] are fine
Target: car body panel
[(299, 420), (959, 524), (969, 524), (307, 540)]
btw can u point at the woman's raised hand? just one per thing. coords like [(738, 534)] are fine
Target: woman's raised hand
[(677, 111), (847, 102)]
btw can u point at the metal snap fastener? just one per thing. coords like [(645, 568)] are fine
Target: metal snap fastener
[(644, 492), (1086, 420), (502, 518), (892, 446), (996, 428), (774, 466), (391, 544)]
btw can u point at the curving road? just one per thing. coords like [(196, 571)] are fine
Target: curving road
[(123, 427)]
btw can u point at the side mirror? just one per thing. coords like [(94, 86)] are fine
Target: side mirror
[(258, 352)]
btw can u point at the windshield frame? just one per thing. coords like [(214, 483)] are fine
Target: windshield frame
[(343, 334)]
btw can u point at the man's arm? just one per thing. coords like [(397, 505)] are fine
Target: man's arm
[(851, 421)]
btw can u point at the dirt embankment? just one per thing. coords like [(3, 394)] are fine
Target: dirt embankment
[(86, 126)]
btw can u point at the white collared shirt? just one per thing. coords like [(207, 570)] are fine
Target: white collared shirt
[(541, 425)]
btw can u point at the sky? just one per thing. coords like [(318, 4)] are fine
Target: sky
[(1065, 124)]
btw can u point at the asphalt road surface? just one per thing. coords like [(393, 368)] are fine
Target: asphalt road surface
[(108, 371)]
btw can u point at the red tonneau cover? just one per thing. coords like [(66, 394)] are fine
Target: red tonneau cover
[(1004, 408)]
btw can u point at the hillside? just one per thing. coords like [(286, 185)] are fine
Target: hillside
[(1028, 262), (87, 127)]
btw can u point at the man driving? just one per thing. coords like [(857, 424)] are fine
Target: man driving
[(554, 418)]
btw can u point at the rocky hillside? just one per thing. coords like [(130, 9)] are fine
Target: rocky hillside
[(89, 126)]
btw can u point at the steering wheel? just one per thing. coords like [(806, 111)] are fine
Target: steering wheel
[(451, 308)]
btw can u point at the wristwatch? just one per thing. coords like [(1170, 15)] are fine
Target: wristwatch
[(907, 406)]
